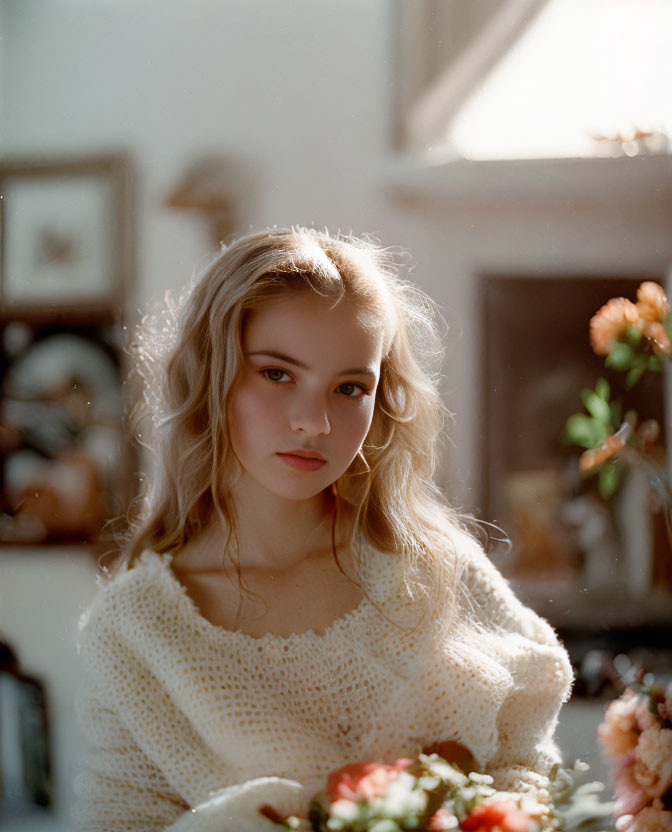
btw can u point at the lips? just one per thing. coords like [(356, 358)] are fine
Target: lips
[(303, 460), (305, 454)]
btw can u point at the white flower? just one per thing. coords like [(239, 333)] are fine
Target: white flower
[(400, 797), (344, 810), (485, 779)]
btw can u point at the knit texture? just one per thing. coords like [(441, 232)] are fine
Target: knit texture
[(182, 715)]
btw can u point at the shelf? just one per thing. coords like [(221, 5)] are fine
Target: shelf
[(569, 606), (558, 182)]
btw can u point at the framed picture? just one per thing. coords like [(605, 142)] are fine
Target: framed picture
[(66, 283), (62, 229)]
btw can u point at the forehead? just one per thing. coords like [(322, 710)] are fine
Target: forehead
[(306, 325)]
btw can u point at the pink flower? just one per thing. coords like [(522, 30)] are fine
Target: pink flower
[(363, 781), (648, 820), (499, 815), (645, 719), (619, 730), (629, 794), (653, 765)]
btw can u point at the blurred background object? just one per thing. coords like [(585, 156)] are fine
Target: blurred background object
[(519, 149), (212, 187), (25, 776), (65, 284)]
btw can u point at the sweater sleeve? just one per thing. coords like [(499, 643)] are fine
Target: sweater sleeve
[(121, 788), (118, 788), (542, 677)]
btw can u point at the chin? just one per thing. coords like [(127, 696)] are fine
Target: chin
[(300, 494)]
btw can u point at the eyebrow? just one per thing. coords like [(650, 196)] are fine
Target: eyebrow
[(353, 371)]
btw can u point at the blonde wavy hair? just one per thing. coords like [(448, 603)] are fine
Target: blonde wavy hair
[(192, 362)]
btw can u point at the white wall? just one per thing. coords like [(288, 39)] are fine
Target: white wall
[(297, 92)]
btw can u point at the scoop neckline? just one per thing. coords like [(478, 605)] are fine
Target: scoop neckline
[(218, 631)]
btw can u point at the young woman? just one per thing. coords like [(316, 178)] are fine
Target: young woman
[(295, 594)]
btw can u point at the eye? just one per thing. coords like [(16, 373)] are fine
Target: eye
[(274, 375), (352, 390)]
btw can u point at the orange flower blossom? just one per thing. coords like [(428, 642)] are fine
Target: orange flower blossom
[(363, 781), (499, 815), (611, 321)]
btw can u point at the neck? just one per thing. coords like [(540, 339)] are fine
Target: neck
[(276, 533)]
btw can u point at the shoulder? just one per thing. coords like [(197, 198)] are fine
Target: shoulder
[(127, 606), (495, 618), (489, 597)]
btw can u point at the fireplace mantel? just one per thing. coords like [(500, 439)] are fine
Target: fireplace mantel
[(641, 180)]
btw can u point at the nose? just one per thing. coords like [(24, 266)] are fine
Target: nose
[(310, 416)]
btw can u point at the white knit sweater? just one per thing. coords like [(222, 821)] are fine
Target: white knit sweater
[(183, 715)]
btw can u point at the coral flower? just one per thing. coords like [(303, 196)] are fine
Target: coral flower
[(619, 730), (655, 332), (363, 781), (652, 301), (610, 323), (500, 815)]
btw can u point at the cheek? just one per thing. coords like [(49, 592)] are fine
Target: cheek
[(359, 422), (247, 410)]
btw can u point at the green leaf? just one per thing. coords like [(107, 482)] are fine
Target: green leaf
[(596, 406), (631, 418), (634, 376), (585, 394), (608, 480), (620, 357), (654, 364), (385, 826), (602, 389), (584, 431), (634, 336), (616, 412)]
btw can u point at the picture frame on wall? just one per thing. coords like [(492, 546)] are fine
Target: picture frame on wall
[(66, 285), (62, 229)]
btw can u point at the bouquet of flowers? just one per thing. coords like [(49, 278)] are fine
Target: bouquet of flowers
[(636, 735), (429, 794)]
